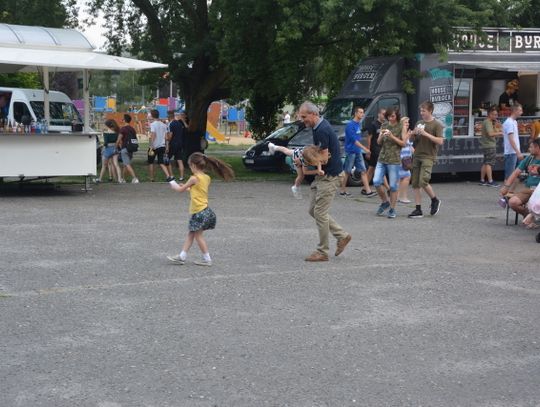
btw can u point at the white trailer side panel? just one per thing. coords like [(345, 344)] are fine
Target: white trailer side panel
[(47, 155)]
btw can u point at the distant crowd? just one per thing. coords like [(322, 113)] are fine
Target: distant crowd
[(166, 147)]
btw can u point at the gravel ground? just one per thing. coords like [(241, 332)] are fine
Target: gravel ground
[(439, 311)]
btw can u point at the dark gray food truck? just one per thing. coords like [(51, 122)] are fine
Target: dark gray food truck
[(462, 86)]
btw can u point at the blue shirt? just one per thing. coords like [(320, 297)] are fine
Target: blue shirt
[(353, 133), (325, 137)]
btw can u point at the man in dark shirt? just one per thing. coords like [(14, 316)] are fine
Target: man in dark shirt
[(127, 131), (175, 145), (324, 187), (510, 96), (373, 133)]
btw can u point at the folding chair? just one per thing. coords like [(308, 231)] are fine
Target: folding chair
[(508, 209)]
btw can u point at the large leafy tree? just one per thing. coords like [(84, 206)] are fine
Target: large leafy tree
[(340, 33), (181, 33), (49, 13), (275, 50), (289, 49)]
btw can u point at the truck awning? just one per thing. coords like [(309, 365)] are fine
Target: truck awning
[(496, 61), (28, 48), (31, 59)]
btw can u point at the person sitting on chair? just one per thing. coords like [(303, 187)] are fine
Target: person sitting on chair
[(531, 168)]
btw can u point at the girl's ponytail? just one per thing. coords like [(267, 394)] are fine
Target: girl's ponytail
[(221, 168)]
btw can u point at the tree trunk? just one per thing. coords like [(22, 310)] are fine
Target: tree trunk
[(198, 96)]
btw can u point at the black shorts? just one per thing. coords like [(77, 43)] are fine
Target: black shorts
[(373, 158), (176, 153), (159, 153)]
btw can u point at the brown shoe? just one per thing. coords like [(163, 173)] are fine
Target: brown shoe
[(342, 244), (317, 256)]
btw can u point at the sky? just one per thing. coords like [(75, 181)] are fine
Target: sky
[(94, 33)]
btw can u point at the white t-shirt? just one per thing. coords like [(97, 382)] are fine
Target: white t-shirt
[(287, 118), (510, 126), (160, 130)]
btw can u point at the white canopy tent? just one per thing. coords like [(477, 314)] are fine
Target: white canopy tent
[(41, 49)]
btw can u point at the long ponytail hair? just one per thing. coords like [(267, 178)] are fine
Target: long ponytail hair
[(111, 124), (202, 162)]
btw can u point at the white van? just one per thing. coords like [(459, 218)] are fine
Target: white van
[(30, 103)]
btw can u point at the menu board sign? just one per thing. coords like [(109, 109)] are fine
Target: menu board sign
[(500, 40)]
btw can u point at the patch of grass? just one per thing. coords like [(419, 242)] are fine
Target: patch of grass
[(227, 147), (244, 174), (141, 168)]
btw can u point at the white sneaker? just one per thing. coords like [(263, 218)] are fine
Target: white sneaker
[(176, 259), (203, 262), (272, 148), (121, 181), (135, 181), (296, 192)]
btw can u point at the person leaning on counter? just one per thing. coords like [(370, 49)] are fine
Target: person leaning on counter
[(510, 96), (535, 129)]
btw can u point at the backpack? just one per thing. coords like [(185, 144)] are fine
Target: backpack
[(132, 143)]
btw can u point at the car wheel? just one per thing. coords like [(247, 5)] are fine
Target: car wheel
[(354, 180)]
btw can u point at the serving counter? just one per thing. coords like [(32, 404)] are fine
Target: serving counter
[(524, 124), (47, 155)]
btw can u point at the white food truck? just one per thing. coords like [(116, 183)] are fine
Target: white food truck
[(61, 148)]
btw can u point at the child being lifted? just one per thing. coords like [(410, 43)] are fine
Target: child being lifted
[(308, 160)]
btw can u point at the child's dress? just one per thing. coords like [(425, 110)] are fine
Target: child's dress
[(405, 152), (202, 217)]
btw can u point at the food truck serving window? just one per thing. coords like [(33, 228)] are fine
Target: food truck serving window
[(62, 114)]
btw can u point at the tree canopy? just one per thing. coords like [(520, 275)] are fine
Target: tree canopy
[(272, 51), (267, 51)]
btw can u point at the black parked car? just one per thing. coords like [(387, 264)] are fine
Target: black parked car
[(257, 156)]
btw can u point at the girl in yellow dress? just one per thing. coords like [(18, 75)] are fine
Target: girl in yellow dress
[(201, 216)]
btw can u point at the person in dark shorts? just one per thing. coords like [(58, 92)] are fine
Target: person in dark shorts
[(374, 148), (491, 128), (127, 132), (158, 132), (175, 139)]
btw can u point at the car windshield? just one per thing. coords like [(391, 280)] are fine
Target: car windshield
[(340, 111), (303, 138), (62, 114), (284, 133)]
